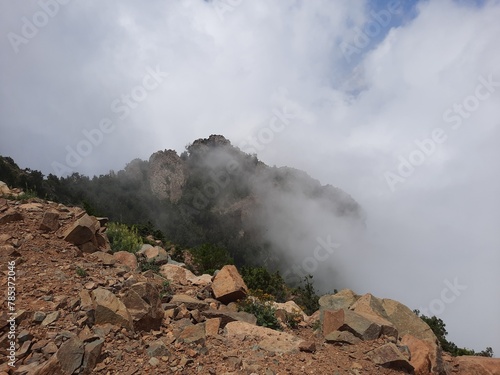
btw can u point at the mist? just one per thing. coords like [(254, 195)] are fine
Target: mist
[(401, 113)]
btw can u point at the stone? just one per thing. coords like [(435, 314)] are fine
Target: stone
[(9, 216), (390, 356), (190, 302), (342, 337), (92, 352), (421, 354), (127, 259), (105, 258), (193, 334), (473, 365), (143, 302), (212, 326), (86, 302), (102, 241), (347, 320), (182, 276), (341, 300), (50, 221), (83, 230), (70, 355), (157, 349), (230, 316), (228, 286), (109, 309), (39, 316), (155, 254), (268, 339), (307, 346), (290, 307), (51, 318)]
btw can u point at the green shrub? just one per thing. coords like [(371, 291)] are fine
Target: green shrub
[(207, 258), (306, 297), (439, 328), (122, 238), (259, 278), (146, 266), (261, 305)]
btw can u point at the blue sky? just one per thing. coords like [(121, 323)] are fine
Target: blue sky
[(407, 123)]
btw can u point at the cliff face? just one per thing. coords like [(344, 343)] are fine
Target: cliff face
[(167, 175), (234, 181)]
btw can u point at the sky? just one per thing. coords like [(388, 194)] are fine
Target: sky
[(396, 103)]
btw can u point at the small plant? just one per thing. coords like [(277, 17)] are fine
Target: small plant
[(146, 266), (166, 289), (122, 238), (316, 325), (261, 305), (292, 319), (259, 278), (81, 272)]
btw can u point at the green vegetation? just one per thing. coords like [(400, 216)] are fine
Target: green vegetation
[(208, 258), (81, 272), (259, 278), (439, 328), (150, 266), (123, 238), (261, 305), (306, 297)]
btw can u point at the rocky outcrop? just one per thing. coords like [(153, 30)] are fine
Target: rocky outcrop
[(167, 175), (368, 318)]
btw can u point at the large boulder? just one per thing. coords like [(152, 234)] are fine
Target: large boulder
[(182, 276), (82, 230), (269, 339), (341, 300), (127, 259), (422, 354), (109, 309), (50, 221), (390, 356), (228, 286), (347, 320), (143, 302), (472, 365)]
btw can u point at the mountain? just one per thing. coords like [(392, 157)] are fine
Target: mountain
[(212, 193)]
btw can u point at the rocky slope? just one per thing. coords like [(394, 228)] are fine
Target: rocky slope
[(76, 308)]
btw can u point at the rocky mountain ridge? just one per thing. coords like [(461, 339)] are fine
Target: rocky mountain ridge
[(78, 308)]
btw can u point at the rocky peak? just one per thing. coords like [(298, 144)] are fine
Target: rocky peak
[(167, 175)]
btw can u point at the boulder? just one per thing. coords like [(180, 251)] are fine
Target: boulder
[(193, 334), (290, 307), (212, 326), (109, 309), (342, 337), (105, 258), (143, 302), (127, 259), (390, 356), (228, 286), (9, 216), (473, 365), (347, 320), (269, 339), (228, 316), (70, 355), (92, 352), (422, 354), (182, 276), (83, 230), (341, 300), (50, 221), (155, 254), (190, 302)]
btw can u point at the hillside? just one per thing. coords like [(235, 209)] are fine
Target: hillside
[(77, 307)]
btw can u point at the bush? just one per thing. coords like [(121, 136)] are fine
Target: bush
[(207, 258), (439, 328), (259, 278), (306, 297), (122, 238), (261, 305)]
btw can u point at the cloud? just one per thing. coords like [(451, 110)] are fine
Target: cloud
[(353, 120)]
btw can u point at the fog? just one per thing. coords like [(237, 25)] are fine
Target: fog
[(395, 103)]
